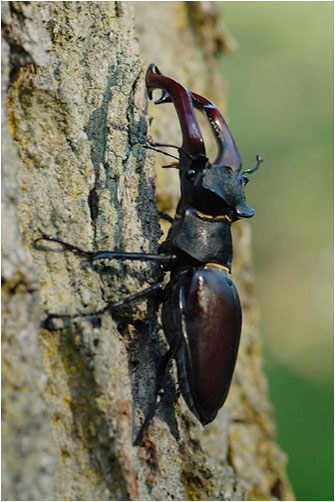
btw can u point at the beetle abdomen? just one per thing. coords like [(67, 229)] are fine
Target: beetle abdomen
[(207, 326)]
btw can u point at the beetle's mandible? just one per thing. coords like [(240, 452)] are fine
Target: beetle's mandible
[(201, 312)]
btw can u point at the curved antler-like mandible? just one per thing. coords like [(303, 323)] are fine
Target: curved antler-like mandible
[(228, 154), (193, 143)]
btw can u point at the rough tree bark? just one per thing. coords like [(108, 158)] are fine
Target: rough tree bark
[(74, 166)]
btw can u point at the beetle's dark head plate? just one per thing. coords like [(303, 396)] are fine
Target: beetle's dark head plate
[(215, 190), (228, 186)]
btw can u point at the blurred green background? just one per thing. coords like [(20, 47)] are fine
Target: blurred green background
[(280, 103)]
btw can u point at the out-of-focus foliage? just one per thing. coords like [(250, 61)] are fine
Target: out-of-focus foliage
[(280, 103)]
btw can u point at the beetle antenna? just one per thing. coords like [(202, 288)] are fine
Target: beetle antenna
[(151, 146), (259, 159), (154, 143), (160, 151)]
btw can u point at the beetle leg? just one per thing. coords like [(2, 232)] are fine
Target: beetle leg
[(113, 255), (109, 255), (71, 247), (159, 394), (112, 306), (166, 216)]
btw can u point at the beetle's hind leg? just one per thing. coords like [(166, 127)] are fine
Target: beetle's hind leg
[(159, 390), (159, 394)]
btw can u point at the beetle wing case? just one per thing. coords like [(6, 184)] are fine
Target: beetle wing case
[(202, 311)]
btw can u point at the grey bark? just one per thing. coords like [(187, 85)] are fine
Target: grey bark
[(75, 167)]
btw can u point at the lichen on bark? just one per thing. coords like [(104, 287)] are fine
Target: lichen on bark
[(75, 167)]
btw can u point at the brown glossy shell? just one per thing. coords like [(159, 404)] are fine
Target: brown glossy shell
[(206, 321)]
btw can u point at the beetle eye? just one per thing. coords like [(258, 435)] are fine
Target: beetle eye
[(245, 181)]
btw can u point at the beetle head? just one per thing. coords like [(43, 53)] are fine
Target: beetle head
[(214, 189), (211, 188)]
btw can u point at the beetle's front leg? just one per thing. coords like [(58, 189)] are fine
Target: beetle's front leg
[(109, 255), (66, 245)]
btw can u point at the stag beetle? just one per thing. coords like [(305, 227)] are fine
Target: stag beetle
[(201, 311)]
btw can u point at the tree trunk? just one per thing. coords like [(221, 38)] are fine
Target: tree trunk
[(75, 167)]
